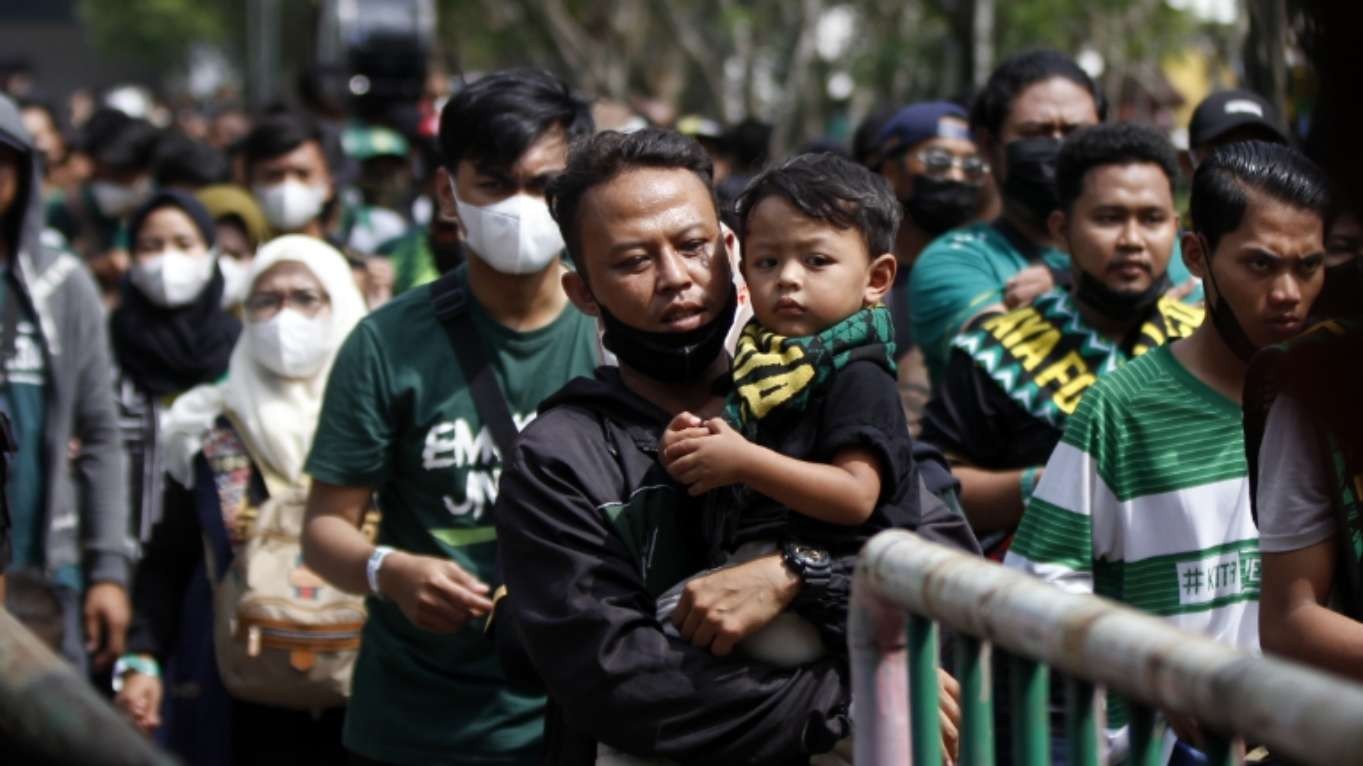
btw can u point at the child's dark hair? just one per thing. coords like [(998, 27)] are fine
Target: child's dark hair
[(1117, 143), (830, 189)]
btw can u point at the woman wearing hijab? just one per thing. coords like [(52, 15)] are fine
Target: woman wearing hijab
[(241, 228), (170, 332), (232, 450)]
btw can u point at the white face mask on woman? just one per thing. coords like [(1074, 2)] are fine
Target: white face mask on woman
[(174, 278), (236, 278), (515, 236), (290, 204), (290, 344)]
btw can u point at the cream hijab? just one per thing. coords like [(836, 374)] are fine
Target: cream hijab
[(275, 417)]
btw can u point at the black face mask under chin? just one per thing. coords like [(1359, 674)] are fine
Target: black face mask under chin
[(1030, 181), (1114, 304), (1223, 318), (670, 357)]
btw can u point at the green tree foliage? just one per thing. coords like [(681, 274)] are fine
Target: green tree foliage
[(157, 33)]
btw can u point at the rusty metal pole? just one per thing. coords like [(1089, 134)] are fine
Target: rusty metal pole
[(52, 715), (1299, 712), (880, 695)]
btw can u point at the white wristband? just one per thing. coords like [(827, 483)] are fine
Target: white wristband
[(371, 569)]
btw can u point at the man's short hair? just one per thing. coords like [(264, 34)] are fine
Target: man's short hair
[(278, 134), (830, 189), (119, 142), (1015, 75), (493, 121), (604, 156), (1222, 183), (182, 161), (1113, 144)]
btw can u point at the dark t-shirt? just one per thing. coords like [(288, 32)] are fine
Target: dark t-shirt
[(861, 408), (972, 419)]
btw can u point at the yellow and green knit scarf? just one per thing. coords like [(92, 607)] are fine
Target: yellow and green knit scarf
[(773, 373)]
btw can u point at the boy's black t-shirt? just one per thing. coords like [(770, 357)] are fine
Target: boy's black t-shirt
[(860, 408), (971, 419)]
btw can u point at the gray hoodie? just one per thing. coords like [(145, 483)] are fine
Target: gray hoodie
[(86, 498)]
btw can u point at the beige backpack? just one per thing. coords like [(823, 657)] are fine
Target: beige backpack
[(283, 636)]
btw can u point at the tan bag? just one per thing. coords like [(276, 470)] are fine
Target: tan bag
[(283, 636)]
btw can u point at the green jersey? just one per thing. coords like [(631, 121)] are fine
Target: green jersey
[(964, 272), (399, 417), (1146, 501)]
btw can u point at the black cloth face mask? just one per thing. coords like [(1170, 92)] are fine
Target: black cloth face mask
[(1114, 304), (671, 357), (1030, 181), (938, 205), (1223, 317)]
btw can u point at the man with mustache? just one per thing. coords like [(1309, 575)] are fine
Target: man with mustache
[(1030, 103), (1011, 383), (1146, 498), (592, 530)]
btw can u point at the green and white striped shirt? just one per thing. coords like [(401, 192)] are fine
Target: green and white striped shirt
[(1146, 501)]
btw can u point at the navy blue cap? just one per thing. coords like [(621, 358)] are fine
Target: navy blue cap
[(920, 122)]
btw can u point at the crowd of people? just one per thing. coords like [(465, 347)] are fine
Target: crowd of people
[(515, 439)]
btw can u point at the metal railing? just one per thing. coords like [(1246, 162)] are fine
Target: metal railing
[(49, 714), (905, 586)]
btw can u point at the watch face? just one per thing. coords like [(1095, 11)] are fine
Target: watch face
[(811, 554)]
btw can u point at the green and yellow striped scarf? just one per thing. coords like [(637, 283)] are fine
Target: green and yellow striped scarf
[(773, 373)]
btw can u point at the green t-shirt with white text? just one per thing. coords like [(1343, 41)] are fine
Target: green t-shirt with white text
[(399, 417)]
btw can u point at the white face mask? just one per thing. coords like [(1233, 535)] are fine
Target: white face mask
[(291, 345), (514, 236), (117, 200), (235, 281), (290, 204), (174, 278)]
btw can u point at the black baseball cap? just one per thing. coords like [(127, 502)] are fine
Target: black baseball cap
[(1226, 110)]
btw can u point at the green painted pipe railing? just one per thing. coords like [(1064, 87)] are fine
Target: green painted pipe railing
[(49, 714), (907, 587)]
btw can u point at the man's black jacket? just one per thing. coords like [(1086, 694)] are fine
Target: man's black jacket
[(591, 530)]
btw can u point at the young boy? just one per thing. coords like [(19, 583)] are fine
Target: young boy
[(813, 440)]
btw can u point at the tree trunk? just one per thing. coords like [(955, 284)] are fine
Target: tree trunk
[(1265, 71), (982, 41)]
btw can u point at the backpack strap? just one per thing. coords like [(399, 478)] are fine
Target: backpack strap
[(451, 302), (227, 491)]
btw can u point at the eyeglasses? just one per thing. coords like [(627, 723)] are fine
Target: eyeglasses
[(261, 306), (939, 162)]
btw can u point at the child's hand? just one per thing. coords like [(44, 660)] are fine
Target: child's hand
[(682, 428), (713, 460)]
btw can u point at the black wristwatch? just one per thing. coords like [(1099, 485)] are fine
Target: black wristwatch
[(812, 565)]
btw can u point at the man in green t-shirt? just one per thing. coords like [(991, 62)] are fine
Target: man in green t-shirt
[(1146, 498), (1012, 381), (399, 420), (1028, 106)]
